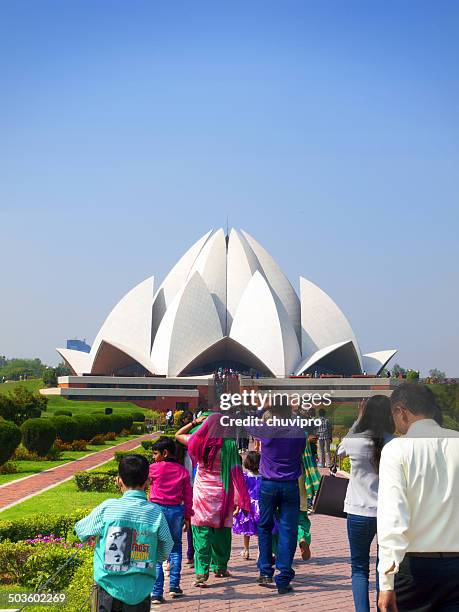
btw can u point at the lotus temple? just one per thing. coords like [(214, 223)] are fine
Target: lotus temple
[(226, 304)]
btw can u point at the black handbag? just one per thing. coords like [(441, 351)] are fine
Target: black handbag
[(330, 496)]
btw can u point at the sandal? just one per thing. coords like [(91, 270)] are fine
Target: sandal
[(305, 550), (245, 554), (223, 573), (201, 580)]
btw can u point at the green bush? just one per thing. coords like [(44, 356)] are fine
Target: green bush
[(103, 423), (10, 438), (60, 525), (31, 564), (87, 426), (138, 428), (148, 444), (45, 561), (9, 468), (138, 416), (120, 454), (66, 428), (80, 586), (96, 481), (120, 422), (63, 413), (38, 435)]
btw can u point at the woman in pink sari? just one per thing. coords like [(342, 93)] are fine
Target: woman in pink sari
[(219, 486)]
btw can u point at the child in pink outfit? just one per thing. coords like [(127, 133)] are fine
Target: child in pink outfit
[(172, 493)]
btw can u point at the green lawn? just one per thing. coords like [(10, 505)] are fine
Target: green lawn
[(63, 499), (56, 402), (27, 468)]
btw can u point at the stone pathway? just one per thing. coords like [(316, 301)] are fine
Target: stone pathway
[(322, 584), (17, 491)]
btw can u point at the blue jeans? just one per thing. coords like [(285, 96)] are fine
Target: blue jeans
[(282, 498), (361, 530), (174, 518)]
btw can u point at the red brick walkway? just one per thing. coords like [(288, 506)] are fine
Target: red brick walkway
[(322, 584), (18, 490)]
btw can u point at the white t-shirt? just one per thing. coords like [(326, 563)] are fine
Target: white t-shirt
[(362, 491)]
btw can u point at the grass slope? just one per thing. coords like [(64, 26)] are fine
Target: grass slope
[(60, 403)]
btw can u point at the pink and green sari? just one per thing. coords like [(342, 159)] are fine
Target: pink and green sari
[(219, 483)]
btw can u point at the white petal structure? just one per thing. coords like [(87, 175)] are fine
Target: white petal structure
[(323, 324), (260, 310), (190, 325), (226, 302), (373, 363)]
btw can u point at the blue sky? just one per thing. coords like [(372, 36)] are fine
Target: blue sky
[(328, 130)]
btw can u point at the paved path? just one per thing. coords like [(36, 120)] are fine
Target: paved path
[(322, 584), (18, 490)]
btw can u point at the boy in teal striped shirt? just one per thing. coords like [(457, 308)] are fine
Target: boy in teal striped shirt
[(132, 536)]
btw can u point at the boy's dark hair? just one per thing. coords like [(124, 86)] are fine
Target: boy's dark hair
[(252, 462), (133, 470), (164, 443), (418, 399), (322, 412)]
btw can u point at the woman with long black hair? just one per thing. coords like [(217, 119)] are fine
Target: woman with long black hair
[(363, 445)]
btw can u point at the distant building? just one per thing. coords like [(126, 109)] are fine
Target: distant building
[(78, 345)]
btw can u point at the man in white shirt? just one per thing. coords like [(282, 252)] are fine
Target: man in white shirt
[(418, 508)]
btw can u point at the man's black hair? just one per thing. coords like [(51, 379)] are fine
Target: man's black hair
[(164, 443), (418, 399), (133, 470)]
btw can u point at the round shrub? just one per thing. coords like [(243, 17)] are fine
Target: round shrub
[(87, 426), (103, 423), (63, 413), (66, 428), (116, 423), (10, 438), (38, 435), (138, 416), (128, 420)]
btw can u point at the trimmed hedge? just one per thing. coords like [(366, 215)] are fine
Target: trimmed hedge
[(63, 413), (138, 428), (60, 525), (148, 444), (66, 428), (38, 435), (87, 426), (120, 422), (31, 565), (96, 481), (120, 454), (138, 417), (10, 438)]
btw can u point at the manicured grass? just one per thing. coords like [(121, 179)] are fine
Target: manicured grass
[(27, 468), (60, 403), (63, 499)]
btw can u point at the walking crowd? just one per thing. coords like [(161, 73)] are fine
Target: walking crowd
[(403, 488)]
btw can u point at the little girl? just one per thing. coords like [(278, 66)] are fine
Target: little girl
[(247, 524)]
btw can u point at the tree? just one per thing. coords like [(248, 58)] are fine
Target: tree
[(20, 405), (437, 375), (412, 375), (49, 377), (397, 370), (62, 369)]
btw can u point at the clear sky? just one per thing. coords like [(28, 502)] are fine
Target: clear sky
[(328, 130)]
